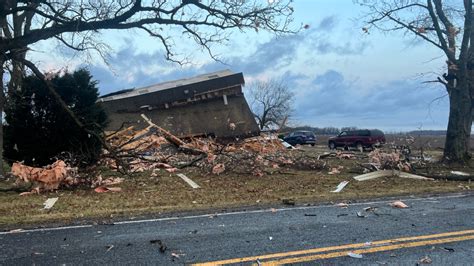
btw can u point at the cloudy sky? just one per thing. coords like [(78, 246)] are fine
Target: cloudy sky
[(340, 75)]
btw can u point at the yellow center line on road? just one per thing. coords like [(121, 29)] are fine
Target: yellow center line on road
[(369, 250), (333, 248)]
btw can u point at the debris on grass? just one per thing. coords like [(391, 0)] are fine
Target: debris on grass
[(460, 173), (110, 181), (398, 204), (255, 156), (188, 181), (49, 203), (107, 189), (345, 155), (340, 187), (47, 178), (218, 169), (388, 173), (290, 202), (389, 160), (334, 171), (19, 230)]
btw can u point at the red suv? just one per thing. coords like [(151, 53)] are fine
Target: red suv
[(359, 139)]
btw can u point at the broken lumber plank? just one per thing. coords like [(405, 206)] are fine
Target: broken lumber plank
[(412, 176), (170, 137), (340, 187), (385, 173), (188, 180), (373, 175)]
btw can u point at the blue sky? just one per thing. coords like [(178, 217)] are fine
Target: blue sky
[(340, 75)]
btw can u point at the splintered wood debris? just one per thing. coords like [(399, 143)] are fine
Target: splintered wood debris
[(341, 186), (188, 180), (49, 203), (154, 147), (47, 178), (388, 173)]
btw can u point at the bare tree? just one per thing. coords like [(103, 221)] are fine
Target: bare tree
[(447, 25), (78, 25), (270, 102)]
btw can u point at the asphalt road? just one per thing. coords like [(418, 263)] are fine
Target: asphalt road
[(440, 229)]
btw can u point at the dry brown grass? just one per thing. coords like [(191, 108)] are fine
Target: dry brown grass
[(143, 195)]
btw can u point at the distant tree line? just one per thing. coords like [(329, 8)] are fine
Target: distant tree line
[(319, 130), (335, 131)]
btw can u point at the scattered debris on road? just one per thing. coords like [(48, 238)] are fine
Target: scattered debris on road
[(342, 205), (398, 204), (425, 260), (370, 209), (160, 243), (177, 255), (354, 255)]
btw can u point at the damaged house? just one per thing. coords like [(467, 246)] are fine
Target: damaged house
[(211, 104)]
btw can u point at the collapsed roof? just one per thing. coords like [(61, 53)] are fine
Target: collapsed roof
[(209, 104)]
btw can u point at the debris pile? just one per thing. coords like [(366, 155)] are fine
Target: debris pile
[(394, 160), (154, 148), (47, 178)]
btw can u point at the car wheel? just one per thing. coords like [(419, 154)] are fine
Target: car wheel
[(312, 144), (359, 147), (332, 145)]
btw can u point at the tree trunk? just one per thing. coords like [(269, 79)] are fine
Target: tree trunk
[(456, 148)]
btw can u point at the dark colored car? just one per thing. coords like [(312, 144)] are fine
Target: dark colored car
[(360, 139), (301, 137)]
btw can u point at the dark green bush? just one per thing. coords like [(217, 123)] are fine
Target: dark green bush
[(38, 129)]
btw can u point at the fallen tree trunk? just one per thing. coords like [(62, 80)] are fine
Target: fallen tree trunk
[(172, 138), (168, 136)]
